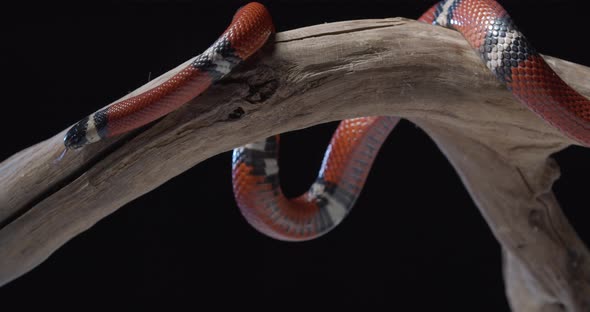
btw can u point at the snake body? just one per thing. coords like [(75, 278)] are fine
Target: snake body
[(248, 31), (485, 25)]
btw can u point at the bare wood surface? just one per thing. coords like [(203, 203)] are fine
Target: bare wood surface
[(312, 75)]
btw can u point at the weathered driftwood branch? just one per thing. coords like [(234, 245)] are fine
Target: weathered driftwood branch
[(312, 75)]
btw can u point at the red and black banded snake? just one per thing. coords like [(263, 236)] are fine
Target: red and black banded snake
[(484, 24)]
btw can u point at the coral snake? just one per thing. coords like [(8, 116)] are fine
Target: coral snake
[(484, 24)]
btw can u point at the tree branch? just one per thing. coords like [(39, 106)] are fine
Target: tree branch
[(312, 75)]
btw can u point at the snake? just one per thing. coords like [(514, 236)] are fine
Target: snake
[(485, 24)]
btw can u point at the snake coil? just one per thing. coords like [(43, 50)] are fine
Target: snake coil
[(485, 25)]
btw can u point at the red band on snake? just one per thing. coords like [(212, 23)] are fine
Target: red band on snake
[(484, 24)]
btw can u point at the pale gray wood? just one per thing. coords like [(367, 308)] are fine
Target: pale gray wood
[(312, 75)]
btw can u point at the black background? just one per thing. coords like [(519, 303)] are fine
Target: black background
[(414, 241)]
